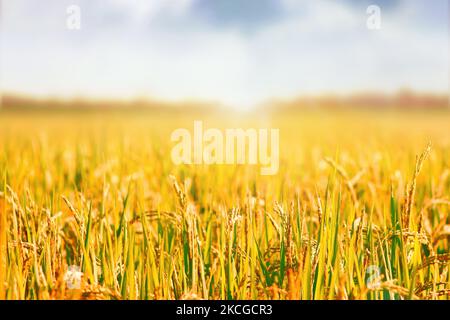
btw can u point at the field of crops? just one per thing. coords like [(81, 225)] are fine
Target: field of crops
[(93, 207)]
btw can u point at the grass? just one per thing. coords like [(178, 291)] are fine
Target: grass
[(358, 210)]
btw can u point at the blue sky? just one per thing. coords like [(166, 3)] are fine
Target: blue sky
[(237, 52)]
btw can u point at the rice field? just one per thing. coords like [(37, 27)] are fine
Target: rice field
[(92, 207)]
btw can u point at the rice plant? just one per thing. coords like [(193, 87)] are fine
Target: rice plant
[(91, 207)]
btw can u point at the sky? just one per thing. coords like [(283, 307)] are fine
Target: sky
[(237, 52)]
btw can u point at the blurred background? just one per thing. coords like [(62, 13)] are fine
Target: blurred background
[(233, 54)]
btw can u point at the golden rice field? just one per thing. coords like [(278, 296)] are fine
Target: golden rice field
[(358, 210)]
